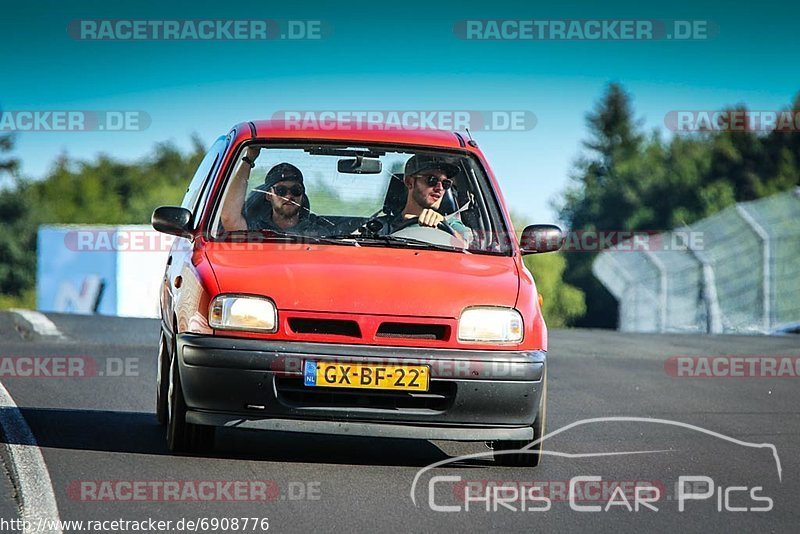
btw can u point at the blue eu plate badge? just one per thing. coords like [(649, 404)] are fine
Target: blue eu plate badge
[(310, 374)]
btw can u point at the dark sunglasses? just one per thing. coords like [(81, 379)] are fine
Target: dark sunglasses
[(295, 190), (432, 180)]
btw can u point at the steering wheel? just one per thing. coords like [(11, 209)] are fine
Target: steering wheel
[(443, 226)]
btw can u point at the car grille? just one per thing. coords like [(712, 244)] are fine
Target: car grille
[(413, 331), (333, 327), (294, 394)]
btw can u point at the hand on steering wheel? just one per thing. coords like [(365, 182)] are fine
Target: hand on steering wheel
[(441, 225)]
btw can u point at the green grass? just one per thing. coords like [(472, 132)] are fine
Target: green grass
[(26, 300)]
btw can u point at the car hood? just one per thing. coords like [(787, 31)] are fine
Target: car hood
[(365, 280)]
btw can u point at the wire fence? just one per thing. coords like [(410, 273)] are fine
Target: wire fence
[(737, 271)]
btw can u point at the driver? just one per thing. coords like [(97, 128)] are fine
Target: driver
[(427, 178)]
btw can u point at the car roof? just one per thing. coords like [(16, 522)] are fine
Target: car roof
[(381, 133)]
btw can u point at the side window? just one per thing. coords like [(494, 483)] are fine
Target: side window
[(208, 163)]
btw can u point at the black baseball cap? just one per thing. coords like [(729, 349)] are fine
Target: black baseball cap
[(423, 162), (282, 172)]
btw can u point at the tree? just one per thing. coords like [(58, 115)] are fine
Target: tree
[(626, 181), (8, 165), (18, 264), (605, 194), (17, 240), (562, 303)]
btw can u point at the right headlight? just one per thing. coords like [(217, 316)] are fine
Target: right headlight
[(490, 325), (240, 312)]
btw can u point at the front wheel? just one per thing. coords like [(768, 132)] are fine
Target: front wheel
[(531, 456), (184, 437), (162, 381)]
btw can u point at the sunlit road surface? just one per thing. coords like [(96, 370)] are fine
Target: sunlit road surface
[(107, 459)]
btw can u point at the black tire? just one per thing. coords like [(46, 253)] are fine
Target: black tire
[(533, 457), (162, 381), (177, 428), (183, 437)]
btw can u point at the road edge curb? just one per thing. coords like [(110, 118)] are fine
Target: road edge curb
[(26, 468)]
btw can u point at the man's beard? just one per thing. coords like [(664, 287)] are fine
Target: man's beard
[(286, 211)]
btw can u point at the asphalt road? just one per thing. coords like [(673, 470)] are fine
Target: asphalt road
[(98, 434)]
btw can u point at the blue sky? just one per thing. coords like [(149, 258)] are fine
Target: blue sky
[(399, 56)]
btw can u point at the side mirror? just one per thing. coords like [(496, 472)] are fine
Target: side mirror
[(538, 238), (172, 220)]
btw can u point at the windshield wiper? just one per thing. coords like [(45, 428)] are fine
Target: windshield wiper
[(304, 238), (391, 239), (266, 236)]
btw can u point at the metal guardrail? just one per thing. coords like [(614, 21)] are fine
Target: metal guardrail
[(741, 276)]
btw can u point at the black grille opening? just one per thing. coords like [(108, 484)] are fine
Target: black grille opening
[(292, 392), (325, 326), (413, 331)]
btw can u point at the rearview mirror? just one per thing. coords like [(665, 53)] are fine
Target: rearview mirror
[(359, 165), (538, 238), (173, 220)]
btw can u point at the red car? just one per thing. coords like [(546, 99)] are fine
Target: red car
[(362, 281)]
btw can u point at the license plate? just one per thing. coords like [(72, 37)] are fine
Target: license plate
[(366, 376)]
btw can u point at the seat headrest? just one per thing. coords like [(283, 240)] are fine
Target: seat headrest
[(396, 195), (448, 204)]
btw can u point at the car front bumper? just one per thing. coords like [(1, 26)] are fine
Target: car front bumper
[(258, 384)]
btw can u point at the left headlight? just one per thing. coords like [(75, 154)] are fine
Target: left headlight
[(235, 312), (490, 325)]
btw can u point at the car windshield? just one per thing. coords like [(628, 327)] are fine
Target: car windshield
[(361, 196)]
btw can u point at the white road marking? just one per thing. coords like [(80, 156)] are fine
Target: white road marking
[(39, 323), (29, 471)]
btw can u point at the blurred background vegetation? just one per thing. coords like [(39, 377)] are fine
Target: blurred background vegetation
[(103, 191), (628, 179), (624, 179)]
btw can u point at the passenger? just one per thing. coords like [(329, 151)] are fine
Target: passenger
[(283, 209)]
